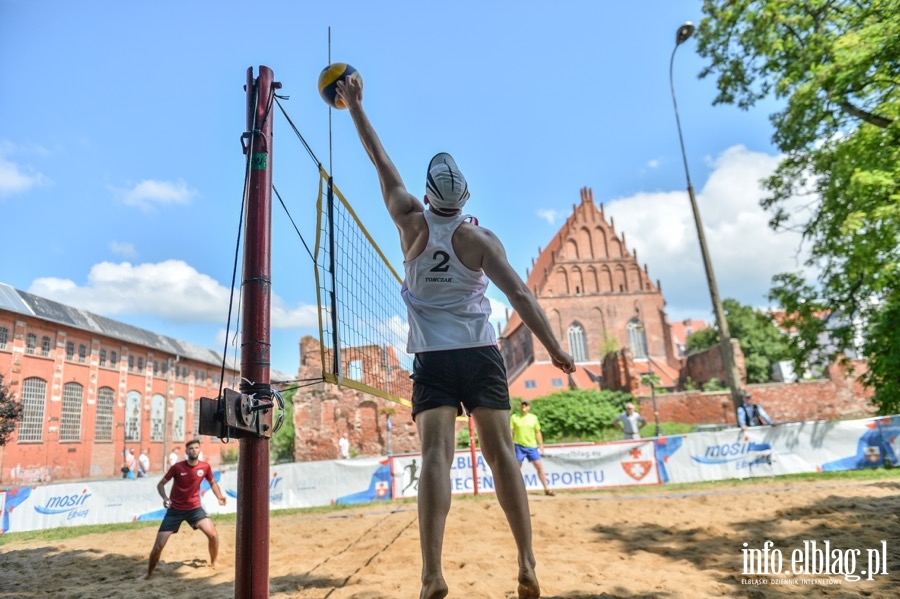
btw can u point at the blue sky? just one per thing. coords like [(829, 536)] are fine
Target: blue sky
[(121, 168)]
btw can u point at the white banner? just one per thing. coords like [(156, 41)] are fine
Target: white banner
[(760, 451), (302, 484), (790, 448), (618, 464)]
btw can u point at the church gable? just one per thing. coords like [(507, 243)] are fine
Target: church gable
[(586, 256), (596, 296)]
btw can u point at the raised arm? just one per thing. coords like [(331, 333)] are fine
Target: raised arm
[(497, 268), (401, 204)]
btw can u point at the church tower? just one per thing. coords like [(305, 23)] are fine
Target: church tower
[(598, 299)]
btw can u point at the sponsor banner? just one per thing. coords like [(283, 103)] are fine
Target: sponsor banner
[(890, 430), (310, 484), (790, 448), (302, 484), (565, 466)]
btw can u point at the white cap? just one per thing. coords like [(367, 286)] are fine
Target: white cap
[(445, 186)]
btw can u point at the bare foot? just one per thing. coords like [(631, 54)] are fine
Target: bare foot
[(214, 565), (528, 585), (434, 589), (144, 577)]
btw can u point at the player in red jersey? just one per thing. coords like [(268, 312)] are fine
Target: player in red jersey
[(183, 504)]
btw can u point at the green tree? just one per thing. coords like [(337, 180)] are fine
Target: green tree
[(10, 412), (579, 414), (885, 363), (761, 340), (833, 65), (282, 443)]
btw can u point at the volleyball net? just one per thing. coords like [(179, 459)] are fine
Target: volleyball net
[(362, 317)]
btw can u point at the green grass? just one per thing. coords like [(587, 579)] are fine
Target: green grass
[(867, 475)]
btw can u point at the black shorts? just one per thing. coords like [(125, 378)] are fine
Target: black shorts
[(173, 519), (469, 378)]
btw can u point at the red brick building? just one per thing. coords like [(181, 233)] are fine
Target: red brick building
[(599, 299), (91, 386)]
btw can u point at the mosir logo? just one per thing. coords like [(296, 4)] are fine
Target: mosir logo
[(62, 504), (730, 452)]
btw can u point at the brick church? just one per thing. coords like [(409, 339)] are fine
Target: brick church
[(599, 300)]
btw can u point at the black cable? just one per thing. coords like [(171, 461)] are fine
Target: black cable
[(286, 211), (299, 135)]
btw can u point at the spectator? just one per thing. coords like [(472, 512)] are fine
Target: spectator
[(128, 469), (630, 422), (143, 464), (173, 457), (344, 447), (752, 414)]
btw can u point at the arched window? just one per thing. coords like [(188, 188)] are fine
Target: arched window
[(133, 416), (178, 414), (577, 343), (34, 399), (637, 340), (70, 418), (157, 414), (196, 418), (103, 426)]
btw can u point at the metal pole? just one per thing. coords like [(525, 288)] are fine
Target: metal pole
[(731, 375), (252, 536)]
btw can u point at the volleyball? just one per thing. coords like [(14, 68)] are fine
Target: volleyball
[(328, 79)]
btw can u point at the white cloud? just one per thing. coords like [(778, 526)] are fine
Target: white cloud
[(293, 317), (172, 290), (653, 163), (17, 179), (499, 310), (744, 251), (126, 250), (548, 215), (148, 194)]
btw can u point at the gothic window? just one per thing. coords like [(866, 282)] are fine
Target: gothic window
[(577, 342), (637, 340)]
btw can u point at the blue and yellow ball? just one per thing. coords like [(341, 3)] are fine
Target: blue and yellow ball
[(328, 79)]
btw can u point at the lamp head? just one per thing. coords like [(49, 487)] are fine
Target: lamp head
[(684, 32)]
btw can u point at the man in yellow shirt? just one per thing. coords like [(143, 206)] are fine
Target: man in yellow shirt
[(529, 442)]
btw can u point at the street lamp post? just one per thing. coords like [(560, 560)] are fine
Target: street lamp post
[(651, 380), (733, 379)]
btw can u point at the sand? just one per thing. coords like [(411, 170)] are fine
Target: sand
[(629, 543)]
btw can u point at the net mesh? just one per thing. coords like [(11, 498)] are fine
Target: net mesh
[(362, 318)]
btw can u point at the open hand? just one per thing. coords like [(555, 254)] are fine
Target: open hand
[(349, 91)]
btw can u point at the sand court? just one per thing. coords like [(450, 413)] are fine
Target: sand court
[(614, 544)]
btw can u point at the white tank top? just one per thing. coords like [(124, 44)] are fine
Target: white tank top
[(445, 300)]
